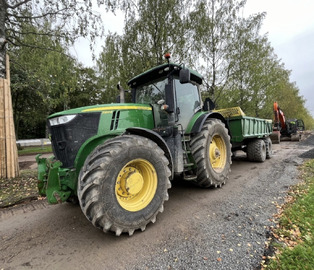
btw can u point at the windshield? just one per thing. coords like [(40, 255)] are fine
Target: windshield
[(151, 92)]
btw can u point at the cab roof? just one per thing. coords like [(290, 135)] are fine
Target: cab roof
[(162, 71)]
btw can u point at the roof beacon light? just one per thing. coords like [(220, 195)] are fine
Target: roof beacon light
[(167, 56)]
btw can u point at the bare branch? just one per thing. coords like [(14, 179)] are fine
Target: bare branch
[(17, 5), (58, 12), (49, 34), (20, 43)]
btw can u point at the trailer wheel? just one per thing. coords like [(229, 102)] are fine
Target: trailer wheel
[(123, 184), (269, 148), (211, 150), (256, 150)]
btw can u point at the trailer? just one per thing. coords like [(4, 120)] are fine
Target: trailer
[(249, 134)]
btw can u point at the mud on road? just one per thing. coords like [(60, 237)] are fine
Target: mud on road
[(222, 228)]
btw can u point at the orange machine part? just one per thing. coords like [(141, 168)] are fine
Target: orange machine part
[(279, 116)]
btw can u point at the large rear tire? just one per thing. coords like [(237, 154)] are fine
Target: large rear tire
[(123, 184), (256, 150), (211, 150)]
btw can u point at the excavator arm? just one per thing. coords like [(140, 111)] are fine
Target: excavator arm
[(280, 120)]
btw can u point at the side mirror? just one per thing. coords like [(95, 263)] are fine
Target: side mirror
[(184, 75), (209, 105), (169, 98)]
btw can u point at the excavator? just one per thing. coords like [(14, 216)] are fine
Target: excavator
[(283, 129)]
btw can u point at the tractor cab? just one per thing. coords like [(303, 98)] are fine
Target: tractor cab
[(172, 91)]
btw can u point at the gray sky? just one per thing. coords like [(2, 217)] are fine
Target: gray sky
[(290, 28), (289, 25)]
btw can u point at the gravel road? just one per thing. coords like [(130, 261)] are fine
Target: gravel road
[(222, 228)]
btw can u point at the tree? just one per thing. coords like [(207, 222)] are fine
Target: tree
[(44, 82), (110, 68), (152, 28), (156, 28), (239, 66), (87, 90), (70, 19), (213, 22)]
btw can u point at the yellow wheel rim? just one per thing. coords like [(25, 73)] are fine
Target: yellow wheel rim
[(217, 153), (136, 185)]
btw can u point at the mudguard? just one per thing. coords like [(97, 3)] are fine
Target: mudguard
[(150, 134)]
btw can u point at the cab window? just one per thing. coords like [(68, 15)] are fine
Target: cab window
[(188, 101)]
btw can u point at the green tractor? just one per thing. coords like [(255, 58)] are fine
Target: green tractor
[(119, 159)]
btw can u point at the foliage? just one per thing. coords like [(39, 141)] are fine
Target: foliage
[(213, 24), (296, 226), (43, 82), (239, 65), (31, 150), (152, 28), (70, 19), (110, 68)]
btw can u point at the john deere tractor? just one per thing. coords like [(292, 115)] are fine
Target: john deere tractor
[(119, 159)]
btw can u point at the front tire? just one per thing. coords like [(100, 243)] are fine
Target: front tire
[(211, 150), (123, 184)]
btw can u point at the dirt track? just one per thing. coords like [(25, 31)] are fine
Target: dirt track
[(222, 228)]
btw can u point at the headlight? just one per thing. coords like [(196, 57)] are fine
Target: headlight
[(61, 119)]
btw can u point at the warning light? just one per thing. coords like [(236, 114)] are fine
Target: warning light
[(167, 56)]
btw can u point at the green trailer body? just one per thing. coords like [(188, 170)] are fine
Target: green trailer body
[(244, 128)]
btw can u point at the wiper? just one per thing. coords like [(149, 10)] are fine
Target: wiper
[(157, 88)]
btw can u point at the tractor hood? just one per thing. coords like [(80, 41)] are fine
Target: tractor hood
[(103, 108)]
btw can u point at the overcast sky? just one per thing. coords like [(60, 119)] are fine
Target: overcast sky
[(290, 28), (289, 25)]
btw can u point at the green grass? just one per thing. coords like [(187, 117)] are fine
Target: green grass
[(296, 226), (35, 150)]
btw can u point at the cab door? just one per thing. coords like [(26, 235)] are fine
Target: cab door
[(188, 101)]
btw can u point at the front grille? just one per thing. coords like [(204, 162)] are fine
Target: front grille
[(68, 138)]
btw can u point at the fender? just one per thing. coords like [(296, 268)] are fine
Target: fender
[(88, 147), (147, 133), (197, 126)]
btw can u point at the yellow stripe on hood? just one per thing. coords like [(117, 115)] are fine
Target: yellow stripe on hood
[(111, 108)]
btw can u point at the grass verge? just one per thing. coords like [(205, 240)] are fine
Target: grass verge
[(294, 234), (30, 150)]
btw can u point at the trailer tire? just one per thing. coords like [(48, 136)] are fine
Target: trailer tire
[(123, 184), (211, 150), (256, 150), (269, 148)]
